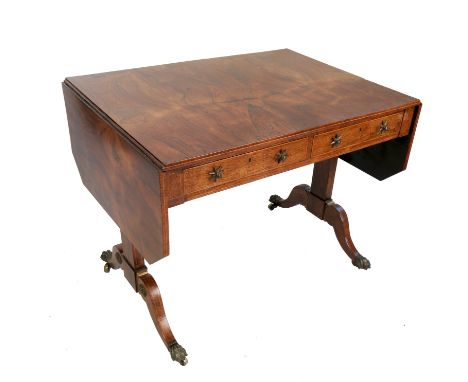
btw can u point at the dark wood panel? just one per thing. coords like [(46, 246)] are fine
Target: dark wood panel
[(186, 111), (122, 180)]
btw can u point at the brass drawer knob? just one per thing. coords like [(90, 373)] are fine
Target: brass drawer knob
[(216, 173), (336, 140), (383, 126), (281, 156)]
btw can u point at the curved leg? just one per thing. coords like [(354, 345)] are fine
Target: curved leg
[(137, 274), (149, 291), (336, 216), (317, 200)]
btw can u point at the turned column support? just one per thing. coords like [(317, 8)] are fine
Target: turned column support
[(317, 200)]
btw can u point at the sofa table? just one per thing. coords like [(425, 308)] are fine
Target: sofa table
[(148, 139)]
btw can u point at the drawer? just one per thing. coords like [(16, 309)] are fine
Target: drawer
[(336, 140), (241, 166), (374, 131), (384, 127)]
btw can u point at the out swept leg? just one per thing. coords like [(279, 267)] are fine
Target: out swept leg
[(317, 200), (132, 263), (149, 291), (336, 216)]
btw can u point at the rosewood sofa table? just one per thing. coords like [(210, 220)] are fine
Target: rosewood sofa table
[(148, 139)]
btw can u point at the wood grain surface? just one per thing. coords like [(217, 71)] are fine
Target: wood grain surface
[(184, 112), (147, 139), (355, 134), (241, 166), (124, 182)]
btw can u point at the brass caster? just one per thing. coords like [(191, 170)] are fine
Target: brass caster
[(106, 256), (178, 354), (274, 202), (361, 262), (107, 267)]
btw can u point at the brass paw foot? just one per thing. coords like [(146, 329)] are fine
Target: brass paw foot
[(106, 256), (336, 216), (361, 262), (112, 259), (178, 353), (274, 202), (299, 195)]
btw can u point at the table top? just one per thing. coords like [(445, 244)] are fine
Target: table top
[(182, 111)]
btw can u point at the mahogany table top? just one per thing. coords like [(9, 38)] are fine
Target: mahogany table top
[(182, 111)]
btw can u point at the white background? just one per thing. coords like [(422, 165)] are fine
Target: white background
[(251, 294)]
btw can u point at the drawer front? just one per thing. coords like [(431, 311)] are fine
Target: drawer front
[(336, 140), (232, 169), (383, 127), (376, 130)]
